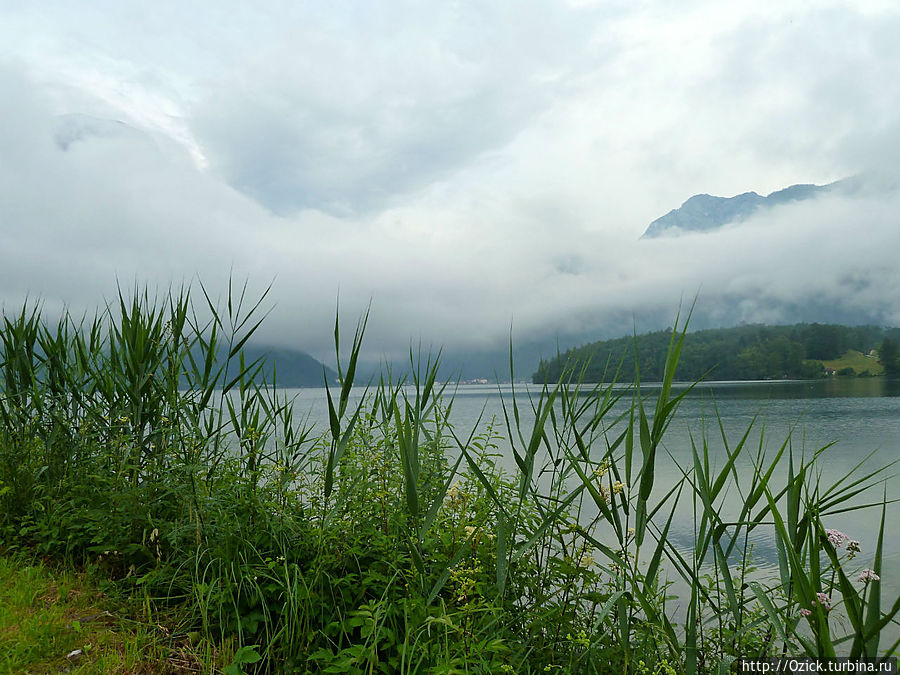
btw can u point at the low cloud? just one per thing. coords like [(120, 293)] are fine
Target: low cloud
[(348, 116), (466, 181)]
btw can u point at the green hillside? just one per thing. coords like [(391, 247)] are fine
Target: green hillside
[(749, 352), (856, 361)]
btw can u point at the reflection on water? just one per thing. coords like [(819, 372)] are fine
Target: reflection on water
[(829, 387)]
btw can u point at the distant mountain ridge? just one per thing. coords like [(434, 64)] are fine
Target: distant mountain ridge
[(286, 367), (704, 212), (293, 367)]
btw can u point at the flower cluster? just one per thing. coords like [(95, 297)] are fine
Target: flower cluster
[(586, 558), (601, 469), (615, 487), (867, 576), (604, 492), (581, 639), (456, 497), (837, 538), (464, 581)]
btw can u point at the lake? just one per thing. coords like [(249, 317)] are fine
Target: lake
[(859, 416)]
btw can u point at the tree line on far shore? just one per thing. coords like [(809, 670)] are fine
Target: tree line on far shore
[(747, 352)]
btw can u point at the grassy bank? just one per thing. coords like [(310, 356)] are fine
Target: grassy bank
[(54, 620), (141, 443)]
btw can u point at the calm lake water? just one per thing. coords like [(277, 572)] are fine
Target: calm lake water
[(858, 416)]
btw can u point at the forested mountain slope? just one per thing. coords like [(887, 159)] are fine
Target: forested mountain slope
[(749, 352)]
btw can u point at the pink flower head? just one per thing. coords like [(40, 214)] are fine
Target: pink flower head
[(805, 612), (837, 538), (867, 576), (824, 600)]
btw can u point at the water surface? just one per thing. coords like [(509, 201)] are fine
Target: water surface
[(855, 418)]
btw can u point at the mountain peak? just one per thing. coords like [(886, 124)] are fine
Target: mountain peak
[(703, 212)]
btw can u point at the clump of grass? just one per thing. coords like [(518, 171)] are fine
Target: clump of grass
[(142, 445)]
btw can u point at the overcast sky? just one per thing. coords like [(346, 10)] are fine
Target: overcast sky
[(466, 165)]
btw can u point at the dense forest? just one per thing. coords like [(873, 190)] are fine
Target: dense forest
[(749, 352)]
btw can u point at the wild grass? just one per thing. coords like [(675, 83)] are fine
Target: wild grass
[(54, 620), (142, 445)]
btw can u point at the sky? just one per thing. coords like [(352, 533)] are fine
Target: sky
[(468, 168)]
